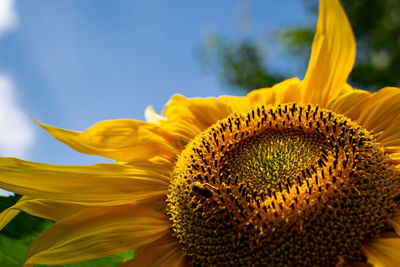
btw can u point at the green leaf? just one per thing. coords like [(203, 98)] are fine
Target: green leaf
[(12, 252)]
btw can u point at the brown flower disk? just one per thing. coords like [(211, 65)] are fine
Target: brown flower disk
[(288, 185)]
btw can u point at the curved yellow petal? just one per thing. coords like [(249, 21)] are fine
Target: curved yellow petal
[(350, 103), (332, 55), (181, 129), (48, 209), (165, 251), (201, 111), (122, 140), (99, 184), (383, 252), (235, 103), (390, 137), (381, 110), (283, 92), (377, 112), (187, 117), (7, 215), (96, 232)]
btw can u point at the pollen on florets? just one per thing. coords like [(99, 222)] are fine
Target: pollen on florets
[(286, 185)]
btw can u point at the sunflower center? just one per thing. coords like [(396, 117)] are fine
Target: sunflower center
[(271, 158), (286, 185)]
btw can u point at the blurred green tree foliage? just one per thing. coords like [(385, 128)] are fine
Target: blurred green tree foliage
[(239, 64), (242, 64)]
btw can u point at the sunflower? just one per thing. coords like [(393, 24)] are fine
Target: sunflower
[(304, 173)]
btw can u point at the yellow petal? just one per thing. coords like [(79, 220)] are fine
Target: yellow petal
[(7, 215), (284, 92), (383, 252), (99, 184), (165, 251), (43, 208), (96, 232), (376, 112), (202, 111), (390, 137), (187, 117), (381, 110), (235, 103), (350, 104), (332, 55), (122, 140)]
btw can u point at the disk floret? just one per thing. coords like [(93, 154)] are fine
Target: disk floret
[(292, 184)]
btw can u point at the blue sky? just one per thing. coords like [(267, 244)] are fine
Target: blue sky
[(73, 63)]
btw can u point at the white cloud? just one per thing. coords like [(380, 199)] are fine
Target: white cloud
[(16, 133), (8, 15)]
